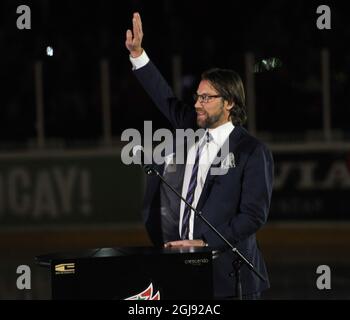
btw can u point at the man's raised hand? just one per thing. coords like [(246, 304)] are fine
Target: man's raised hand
[(134, 38)]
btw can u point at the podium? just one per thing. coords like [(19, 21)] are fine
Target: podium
[(131, 273)]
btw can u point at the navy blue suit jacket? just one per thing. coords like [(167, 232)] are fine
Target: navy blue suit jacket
[(236, 203)]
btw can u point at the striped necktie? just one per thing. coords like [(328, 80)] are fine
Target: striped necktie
[(185, 228)]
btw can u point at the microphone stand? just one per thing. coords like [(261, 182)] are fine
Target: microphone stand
[(150, 170)]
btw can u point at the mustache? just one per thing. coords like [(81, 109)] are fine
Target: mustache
[(200, 110)]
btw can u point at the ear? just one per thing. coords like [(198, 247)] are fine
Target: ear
[(229, 106)]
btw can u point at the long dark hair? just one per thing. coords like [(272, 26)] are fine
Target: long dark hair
[(229, 85)]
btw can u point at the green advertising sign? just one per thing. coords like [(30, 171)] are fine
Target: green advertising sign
[(69, 188)]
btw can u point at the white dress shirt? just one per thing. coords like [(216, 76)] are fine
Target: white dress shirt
[(209, 152)]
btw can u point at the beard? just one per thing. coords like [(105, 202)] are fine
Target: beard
[(205, 121)]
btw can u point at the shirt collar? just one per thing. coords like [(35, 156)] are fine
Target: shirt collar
[(221, 133)]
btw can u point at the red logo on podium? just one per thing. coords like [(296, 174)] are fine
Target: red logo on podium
[(146, 294)]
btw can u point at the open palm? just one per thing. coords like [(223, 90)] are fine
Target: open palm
[(134, 38)]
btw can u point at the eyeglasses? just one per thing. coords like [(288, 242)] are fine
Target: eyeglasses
[(204, 98)]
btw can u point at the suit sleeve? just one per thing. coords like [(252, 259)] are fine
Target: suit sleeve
[(179, 115), (254, 206)]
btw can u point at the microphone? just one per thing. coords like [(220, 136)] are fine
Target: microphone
[(139, 157)]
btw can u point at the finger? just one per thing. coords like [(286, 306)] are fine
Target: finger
[(138, 25), (174, 243), (191, 243), (188, 243), (137, 15), (128, 41), (139, 22), (128, 36), (138, 18), (135, 28), (181, 243)]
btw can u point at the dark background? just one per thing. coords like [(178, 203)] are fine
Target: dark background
[(306, 228), (205, 34)]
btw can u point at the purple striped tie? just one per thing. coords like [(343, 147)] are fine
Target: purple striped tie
[(185, 228)]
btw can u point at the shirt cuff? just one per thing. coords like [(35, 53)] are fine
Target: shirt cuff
[(140, 61)]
